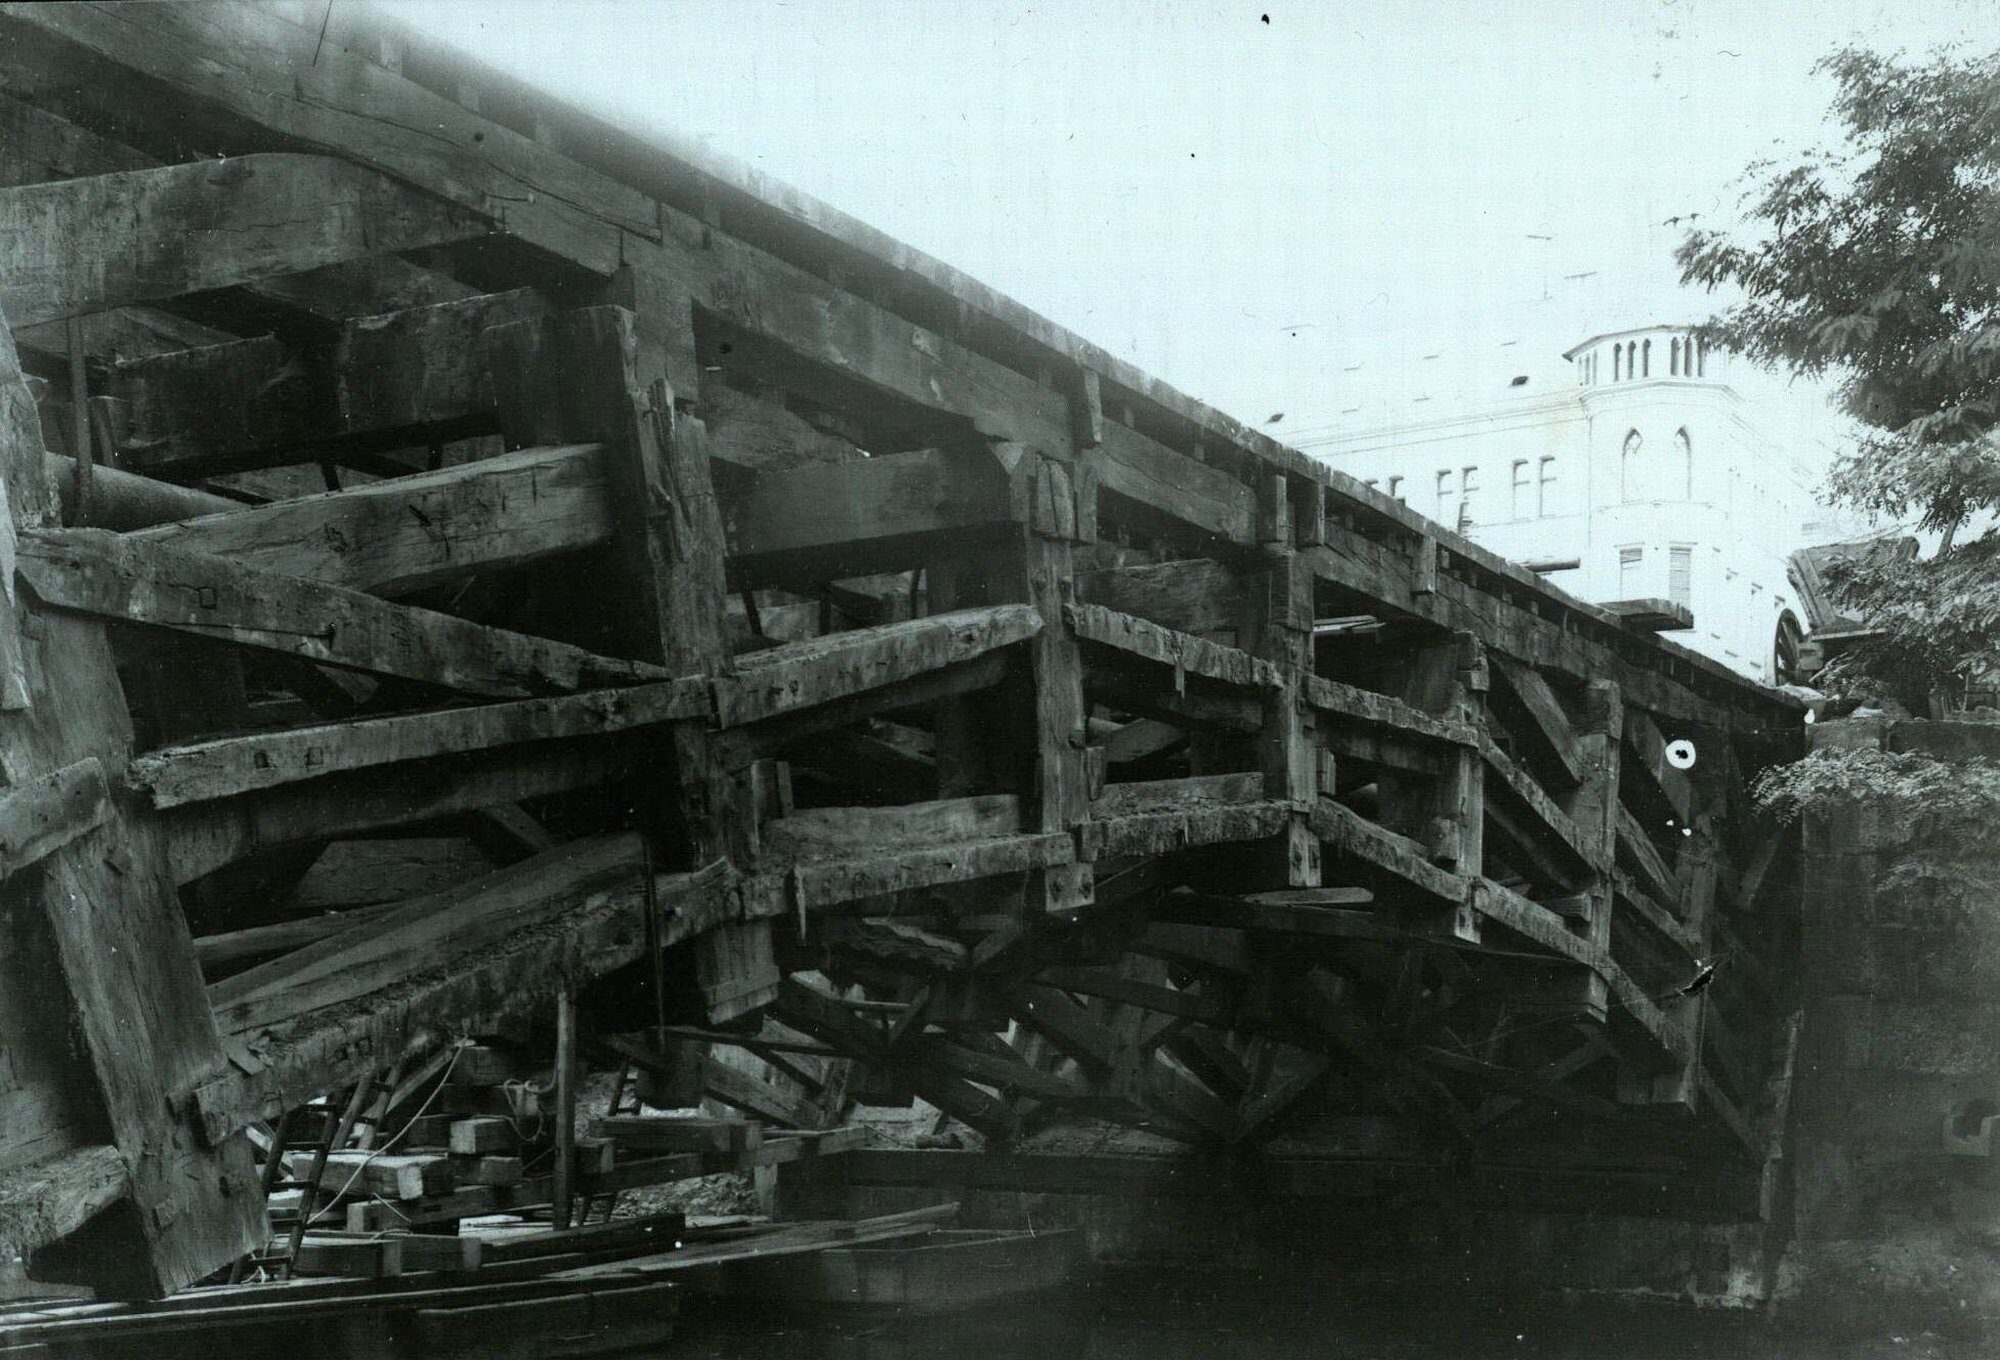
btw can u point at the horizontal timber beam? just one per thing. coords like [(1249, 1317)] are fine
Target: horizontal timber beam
[(405, 533), (94, 572), (801, 675), (235, 765), (108, 241)]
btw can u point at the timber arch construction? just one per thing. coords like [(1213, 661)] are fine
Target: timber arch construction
[(796, 668)]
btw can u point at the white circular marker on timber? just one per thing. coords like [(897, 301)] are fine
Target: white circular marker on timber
[(1680, 754)]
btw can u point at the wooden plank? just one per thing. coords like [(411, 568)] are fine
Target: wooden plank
[(1164, 832), (44, 1201), (424, 368), (818, 884), (1139, 474), (230, 766), (42, 816), (879, 514), (1340, 703), (378, 953), (106, 241), (1643, 740), (204, 837), (657, 1133), (506, 978), (395, 1175), (801, 675), (1155, 795), (263, 72), (105, 1024), (1637, 852), (1401, 859), (1193, 595), (93, 572), (1183, 652), (220, 408), (406, 533), (1548, 819), (831, 833), (1547, 727)]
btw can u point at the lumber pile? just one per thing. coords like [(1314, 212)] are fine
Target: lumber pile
[(478, 573)]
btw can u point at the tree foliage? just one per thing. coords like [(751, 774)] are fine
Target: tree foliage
[(1876, 262)]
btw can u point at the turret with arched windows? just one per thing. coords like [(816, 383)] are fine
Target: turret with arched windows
[(1658, 352)]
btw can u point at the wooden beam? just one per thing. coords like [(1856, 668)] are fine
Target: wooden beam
[(406, 533), (379, 952), (503, 979), (834, 833), (234, 765), (261, 72), (1192, 595), (1643, 740), (824, 883), (1342, 703), (1543, 725), (93, 572), (104, 1022), (1549, 820), (204, 837), (887, 513), (44, 1201), (1138, 474), (1183, 652), (106, 241), (800, 675), (42, 816)]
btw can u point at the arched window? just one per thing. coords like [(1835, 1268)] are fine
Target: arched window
[(1701, 353), (1684, 463), (1628, 467), (1617, 362), (1785, 648), (1674, 357), (1646, 360)]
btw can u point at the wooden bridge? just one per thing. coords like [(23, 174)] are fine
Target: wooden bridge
[(727, 630)]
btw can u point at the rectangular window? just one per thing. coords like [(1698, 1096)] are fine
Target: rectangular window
[(1517, 507), (1468, 483), (1628, 572), (1680, 574), (1545, 488)]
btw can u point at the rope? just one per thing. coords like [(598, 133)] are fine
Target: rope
[(458, 1048)]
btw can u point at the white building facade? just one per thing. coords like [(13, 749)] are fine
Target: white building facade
[(1642, 478)]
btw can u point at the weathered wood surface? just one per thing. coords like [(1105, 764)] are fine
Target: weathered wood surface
[(90, 245), (785, 680), (396, 536), (93, 572), (123, 967), (237, 765)]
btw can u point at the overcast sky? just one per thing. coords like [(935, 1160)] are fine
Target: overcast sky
[(1277, 207)]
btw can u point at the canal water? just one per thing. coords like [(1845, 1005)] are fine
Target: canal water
[(1235, 1318)]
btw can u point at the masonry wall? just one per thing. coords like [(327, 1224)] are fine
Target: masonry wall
[(1896, 1188)]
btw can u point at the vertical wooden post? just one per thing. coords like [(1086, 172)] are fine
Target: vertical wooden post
[(1043, 575), (95, 933), (564, 1197), (1277, 626), (1448, 813), (577, 376)]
